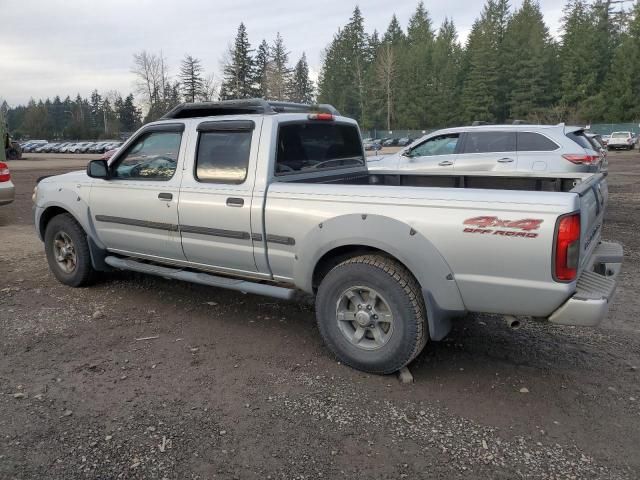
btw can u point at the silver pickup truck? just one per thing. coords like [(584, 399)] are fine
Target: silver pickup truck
[(275, 199)]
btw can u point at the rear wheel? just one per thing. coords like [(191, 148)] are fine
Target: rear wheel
[(67, 250), (371, 314)]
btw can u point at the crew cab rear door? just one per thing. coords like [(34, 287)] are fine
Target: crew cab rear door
[(216, 195)]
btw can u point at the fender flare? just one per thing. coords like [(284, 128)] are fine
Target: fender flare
[(398, 239)]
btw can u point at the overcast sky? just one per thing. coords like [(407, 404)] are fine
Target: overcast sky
[(63, 47)]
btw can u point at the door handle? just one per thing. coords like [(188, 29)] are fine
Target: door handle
[(235, 202), (446, 163), (165, 196), (505, 160)]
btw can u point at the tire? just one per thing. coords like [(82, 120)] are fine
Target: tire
[(397, 293), (76, 273), (12, 154)]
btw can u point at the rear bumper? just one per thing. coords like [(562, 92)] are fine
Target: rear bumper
[(595, 289), (7, 192)]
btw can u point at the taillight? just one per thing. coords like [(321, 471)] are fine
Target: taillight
[(581, 159), (567, 249), (320, 116), (5, 176)]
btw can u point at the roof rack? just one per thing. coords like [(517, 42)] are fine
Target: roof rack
[(247, 106)]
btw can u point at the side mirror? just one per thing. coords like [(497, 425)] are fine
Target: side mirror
[(98, 169), (407, 153)]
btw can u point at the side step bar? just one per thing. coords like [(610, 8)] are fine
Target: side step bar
[(203, 278)]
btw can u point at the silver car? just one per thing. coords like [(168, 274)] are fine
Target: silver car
[(7, 190), (503, 148)]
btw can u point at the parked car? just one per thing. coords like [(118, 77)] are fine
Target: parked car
[(7, 189), (390, 259), (605, 139), (621, 140), (390, 142), (403, 142), (501, 148), (33, 144), (372, 145)]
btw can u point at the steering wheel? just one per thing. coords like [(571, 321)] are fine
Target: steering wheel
[(137, 170)]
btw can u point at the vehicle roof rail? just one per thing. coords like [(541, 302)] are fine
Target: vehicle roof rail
[(247, 106)]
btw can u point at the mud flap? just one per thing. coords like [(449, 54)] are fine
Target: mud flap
[(439, 320)]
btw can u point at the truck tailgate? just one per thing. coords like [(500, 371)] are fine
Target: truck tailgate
[(594, 195)]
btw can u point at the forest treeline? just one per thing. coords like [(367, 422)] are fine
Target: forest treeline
[(415, 76)]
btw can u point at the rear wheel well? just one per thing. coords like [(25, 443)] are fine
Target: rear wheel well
[(340, 254), (46, 217)]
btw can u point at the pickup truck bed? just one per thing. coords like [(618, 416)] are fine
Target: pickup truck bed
[(289, 207)]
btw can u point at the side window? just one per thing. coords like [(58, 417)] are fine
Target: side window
[(534, 142), (489, 142), (223, 156), (154, 156), (440, 145)]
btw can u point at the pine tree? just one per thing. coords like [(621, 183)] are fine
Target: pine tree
[(345, 71), (129, 115), (415, 65), (484, 90), (301, 85), (239, 72), (278, 71), (261, 69), (444, 102), (528, 69), (192, 83)]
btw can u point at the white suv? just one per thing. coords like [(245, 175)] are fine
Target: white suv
[(503, 148), (623, 140)]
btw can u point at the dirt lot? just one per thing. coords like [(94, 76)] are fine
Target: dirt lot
[(239, 386)]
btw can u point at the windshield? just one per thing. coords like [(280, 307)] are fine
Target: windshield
[(312, 146), (620, 135)]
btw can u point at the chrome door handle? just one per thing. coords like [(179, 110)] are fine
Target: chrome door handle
[(446, 163), (235, 202), (167, 197), (505, 160)]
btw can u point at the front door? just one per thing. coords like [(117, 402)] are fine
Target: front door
[(216, 196), (435, 154), (135, 212)]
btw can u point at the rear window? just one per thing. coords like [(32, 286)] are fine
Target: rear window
[(581, 139), (307, 147), (488, 142), (619, 135), (534, 142)]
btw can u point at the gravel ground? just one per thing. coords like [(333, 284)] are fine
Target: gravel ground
[(140, 377)]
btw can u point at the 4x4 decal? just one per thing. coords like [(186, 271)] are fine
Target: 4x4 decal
[(516, 228)]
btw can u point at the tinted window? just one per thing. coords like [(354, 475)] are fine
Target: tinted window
[(580, 139), (488, 142), (440, 145), (304, 147), (534, 142), (154, 156), (223, 156)]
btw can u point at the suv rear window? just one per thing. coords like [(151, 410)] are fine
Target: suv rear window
[(534, 142), (307, 147), (488, 142), (580, 138)]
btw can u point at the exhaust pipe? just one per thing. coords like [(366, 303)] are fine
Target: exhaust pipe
[(512, 322)]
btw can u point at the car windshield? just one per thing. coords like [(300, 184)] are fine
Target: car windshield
[(620, 135)]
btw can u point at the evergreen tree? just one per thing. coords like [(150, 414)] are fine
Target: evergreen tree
[(444, 101), (261, 69), (301, 85), (128, 114), (484, 90), (239, 71), (528, 69), (278, 72), (344, 76), (415, 85), (191, 79)]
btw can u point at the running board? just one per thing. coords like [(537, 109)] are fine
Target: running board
[(202, 278)]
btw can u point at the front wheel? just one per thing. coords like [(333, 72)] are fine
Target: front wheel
[(371, 314), (67, 250)]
